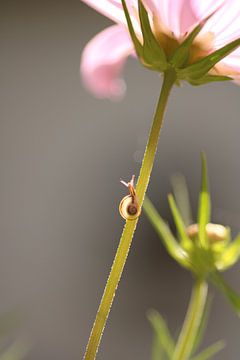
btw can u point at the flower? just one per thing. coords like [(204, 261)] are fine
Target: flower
[(206, 249), (196, 28)]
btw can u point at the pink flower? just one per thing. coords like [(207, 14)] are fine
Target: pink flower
[(171, 21)]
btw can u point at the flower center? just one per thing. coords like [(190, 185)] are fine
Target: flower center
[(201, 47)]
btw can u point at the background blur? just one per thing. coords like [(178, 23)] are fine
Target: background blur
[(62, 153)]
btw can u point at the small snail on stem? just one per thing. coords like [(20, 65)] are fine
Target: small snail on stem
[(129, 208)]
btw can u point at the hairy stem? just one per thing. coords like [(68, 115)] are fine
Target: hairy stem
[(130, 226), (192, 321)]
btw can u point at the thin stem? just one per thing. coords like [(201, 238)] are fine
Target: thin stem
[(192, 321), (130, 226)]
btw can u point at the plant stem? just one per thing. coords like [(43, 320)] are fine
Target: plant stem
[(192, 321), (128, 231)]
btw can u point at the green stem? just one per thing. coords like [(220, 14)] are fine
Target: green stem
[(192, 321), (128, 231)]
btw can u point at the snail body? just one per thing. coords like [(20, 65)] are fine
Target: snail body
[(129, 208)]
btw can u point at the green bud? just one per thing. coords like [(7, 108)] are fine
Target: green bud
[(203, 248), (215, 233)]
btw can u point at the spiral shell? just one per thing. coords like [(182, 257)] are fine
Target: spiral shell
[(129, 208)]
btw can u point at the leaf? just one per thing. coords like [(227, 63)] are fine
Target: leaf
[(163, 341), (230, 255), (203, 66), (169, 241), (157, 350), (152, 51), (227, 291), (210, 351), (208, 79), (9, 322), (136, 42), (185, 241), (17, 351), (181, 54), (181, 195), (204, 209), (203, 325)]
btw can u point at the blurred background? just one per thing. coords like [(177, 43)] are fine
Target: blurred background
[(62, 153)]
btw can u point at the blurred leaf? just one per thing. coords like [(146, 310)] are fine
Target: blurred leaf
[(204, 210), (202, 67), (181, 195), (210, 351), (229, 293), (185, 241), (17, 351), (230, 255), (136, 42), (9, 322), (152, 51), (163, 341), (157, 350), (165, 233), (202, 326)]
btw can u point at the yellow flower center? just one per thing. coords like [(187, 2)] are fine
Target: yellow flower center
[(201, 47)]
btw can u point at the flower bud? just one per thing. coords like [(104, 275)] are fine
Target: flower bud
[(215, 232)]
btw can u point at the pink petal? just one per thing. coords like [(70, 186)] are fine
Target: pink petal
[(103, 59), (228, 29), (225, 21), (110, 8), (231, 66), (233, 61), (114, 11), (206, 7), (180, 16)]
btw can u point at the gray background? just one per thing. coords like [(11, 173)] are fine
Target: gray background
[(62, 153)]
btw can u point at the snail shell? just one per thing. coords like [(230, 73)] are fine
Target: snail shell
[(129, 208)]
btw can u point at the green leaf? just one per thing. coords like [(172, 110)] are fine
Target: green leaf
[(203, 325), (210, 351), (152, 51), (209, 79), (163, 341), (181, 195), (227, 291), (136, 42), (230, 255), (17, 351), (9, 322), (203, 66), (185, 241), (181, 54), (204, 210), (171, 244), (157, 350)]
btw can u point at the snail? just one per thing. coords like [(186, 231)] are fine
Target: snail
[(129, 208)]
